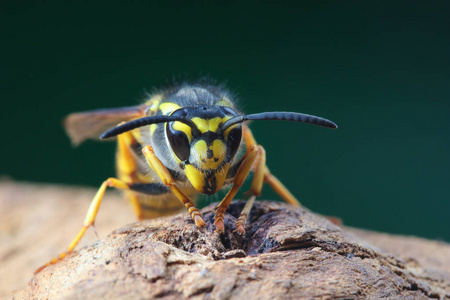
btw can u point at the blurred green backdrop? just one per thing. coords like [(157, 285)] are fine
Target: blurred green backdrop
[(380, 70)]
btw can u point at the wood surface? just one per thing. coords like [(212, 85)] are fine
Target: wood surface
[(287, 253)]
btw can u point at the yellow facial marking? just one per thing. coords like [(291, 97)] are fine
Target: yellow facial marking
[(184, 128), (168, 107), (200, 181), (205, 125), (208, 158), (196, 177)]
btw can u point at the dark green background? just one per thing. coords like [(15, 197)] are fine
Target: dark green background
[(381, 70)]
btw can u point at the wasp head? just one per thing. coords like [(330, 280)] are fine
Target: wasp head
[(203, 149)]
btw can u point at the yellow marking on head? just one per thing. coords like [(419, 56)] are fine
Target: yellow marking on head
[(198, 178), (197, 150), (205, 125), (208, 158), (168, 107), (184, 128), (225, 134)]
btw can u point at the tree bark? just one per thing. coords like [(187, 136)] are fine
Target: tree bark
[(287, 253)]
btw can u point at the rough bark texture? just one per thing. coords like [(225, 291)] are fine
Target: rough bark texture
[(286, 253)]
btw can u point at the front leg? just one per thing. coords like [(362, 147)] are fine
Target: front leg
[(241, 174), (261, 174), (168, 181)]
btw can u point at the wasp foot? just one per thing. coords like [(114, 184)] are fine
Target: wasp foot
[(220, 227), (240, 224), (198, 219)]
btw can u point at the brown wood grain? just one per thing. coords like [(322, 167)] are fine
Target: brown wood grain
[(287, 253)]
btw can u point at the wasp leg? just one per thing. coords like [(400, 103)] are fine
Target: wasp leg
[(279, 188), (261, 175), (255, 190), (168, 181), (267, 177), (241, 174), (89, 219), (240, 223)]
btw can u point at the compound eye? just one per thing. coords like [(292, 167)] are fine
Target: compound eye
[(233, 141), (179, 142)]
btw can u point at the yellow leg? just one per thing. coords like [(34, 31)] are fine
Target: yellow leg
[(240, 223), (241, 174), (168, 181), (89, 219), (259, 166), (262, 173), (279, 188)]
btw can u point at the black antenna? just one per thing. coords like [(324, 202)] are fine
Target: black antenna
[(281, 116), (148, 121)]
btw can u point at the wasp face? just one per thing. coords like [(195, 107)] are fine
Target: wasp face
[(204, 151)]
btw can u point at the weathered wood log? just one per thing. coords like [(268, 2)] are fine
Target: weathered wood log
[(287, 253)]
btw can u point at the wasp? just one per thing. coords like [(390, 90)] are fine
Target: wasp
[(184, 140)]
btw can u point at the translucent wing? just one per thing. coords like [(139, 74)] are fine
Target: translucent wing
[(90, 124)]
